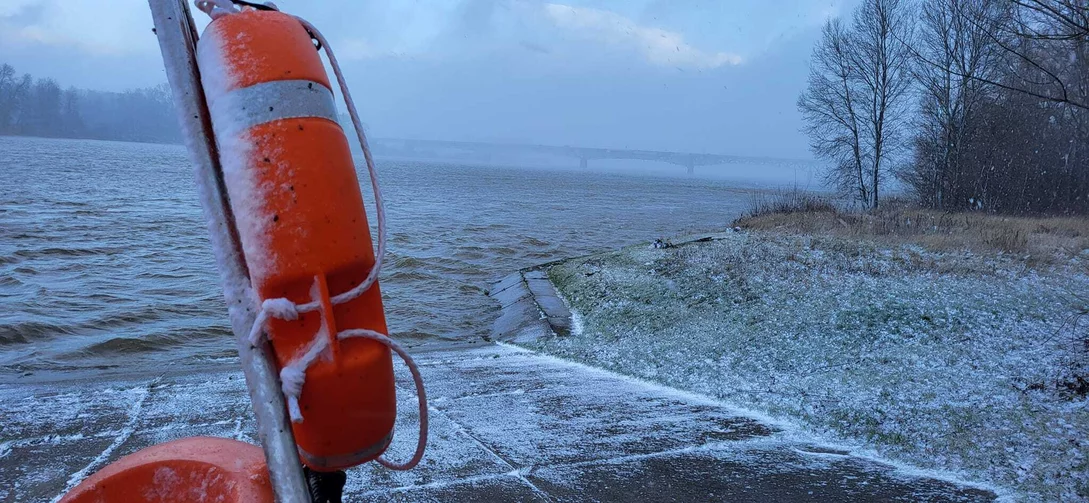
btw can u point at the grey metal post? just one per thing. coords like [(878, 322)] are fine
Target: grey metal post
[(177, 36)]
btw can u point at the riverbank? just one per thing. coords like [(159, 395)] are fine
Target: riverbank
[(932, 345)]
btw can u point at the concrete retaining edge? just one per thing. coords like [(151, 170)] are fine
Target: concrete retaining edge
[(532, 308)]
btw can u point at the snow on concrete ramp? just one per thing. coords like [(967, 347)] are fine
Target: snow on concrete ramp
[(507, 425)]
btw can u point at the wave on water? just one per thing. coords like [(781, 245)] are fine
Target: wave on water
[(41, 330), (30, 331), (104, 266), (409, 276), (532, 241), (178, 337), (67, 252)]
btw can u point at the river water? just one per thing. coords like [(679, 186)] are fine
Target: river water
[(105, 261)]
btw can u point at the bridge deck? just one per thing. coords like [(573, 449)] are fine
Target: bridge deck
[(689, 159)]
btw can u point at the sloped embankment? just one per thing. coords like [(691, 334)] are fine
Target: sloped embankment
[(961, 361)]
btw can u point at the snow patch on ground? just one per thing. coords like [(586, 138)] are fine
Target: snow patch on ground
[(948, 361), (104, 456), (786, 430)]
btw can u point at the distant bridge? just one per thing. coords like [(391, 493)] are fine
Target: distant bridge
[(413, 148)]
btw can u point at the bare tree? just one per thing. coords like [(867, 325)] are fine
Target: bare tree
[(883, 60), (1023, 30), (20, 97), (1003, 119), (955, 58), (1053, 19), (831, 108), (7, 96), (856, 103), (71, 122), (41, 108)]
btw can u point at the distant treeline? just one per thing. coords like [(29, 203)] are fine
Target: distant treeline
[(41, 108), (971, 104)]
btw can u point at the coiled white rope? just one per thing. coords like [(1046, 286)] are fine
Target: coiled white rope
[(293, 375)]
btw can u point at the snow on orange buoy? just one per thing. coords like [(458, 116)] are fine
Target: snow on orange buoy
[(190, 470), (299, 212)]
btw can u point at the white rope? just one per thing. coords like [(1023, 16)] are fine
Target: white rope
[(380, 208), (421, 443), (293, 375), (277, 308)]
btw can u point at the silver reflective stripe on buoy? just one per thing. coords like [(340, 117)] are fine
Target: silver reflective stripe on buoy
[(270, 101)]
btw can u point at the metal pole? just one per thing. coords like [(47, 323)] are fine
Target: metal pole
[(177, 36)]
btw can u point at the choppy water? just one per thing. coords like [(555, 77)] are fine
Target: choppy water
[(104, 259)]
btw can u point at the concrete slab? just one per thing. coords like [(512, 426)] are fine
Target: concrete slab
[(541, 286), (552, 306), (560, 325), (535, 274), (757, 474), (37, 469), (452, 456), (520, 322), (507, 282), (222, 399), (530, 308), (71, 409), (601, 418), (511, 295), (506, 487), (506, 425)]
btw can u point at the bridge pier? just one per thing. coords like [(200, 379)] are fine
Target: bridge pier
[(690, 168), (583, 162)]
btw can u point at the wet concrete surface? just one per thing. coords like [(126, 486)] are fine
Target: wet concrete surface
[(531, 308), (506, 425)]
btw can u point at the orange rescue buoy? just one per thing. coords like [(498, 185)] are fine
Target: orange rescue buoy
[(299, 212), (190, 470)]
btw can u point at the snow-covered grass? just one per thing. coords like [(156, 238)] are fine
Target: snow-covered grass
[(957, 361)]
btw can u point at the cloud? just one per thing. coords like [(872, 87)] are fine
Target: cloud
[(556, 35), (356, 49), (659, 47), (121, 27), (12, 8)]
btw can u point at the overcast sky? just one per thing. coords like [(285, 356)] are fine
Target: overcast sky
[(696, 76)]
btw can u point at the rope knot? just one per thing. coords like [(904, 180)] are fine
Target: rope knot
[(281, 308), (292, 379)]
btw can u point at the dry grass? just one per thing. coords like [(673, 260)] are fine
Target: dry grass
[(1042, 238), (792, 201)]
